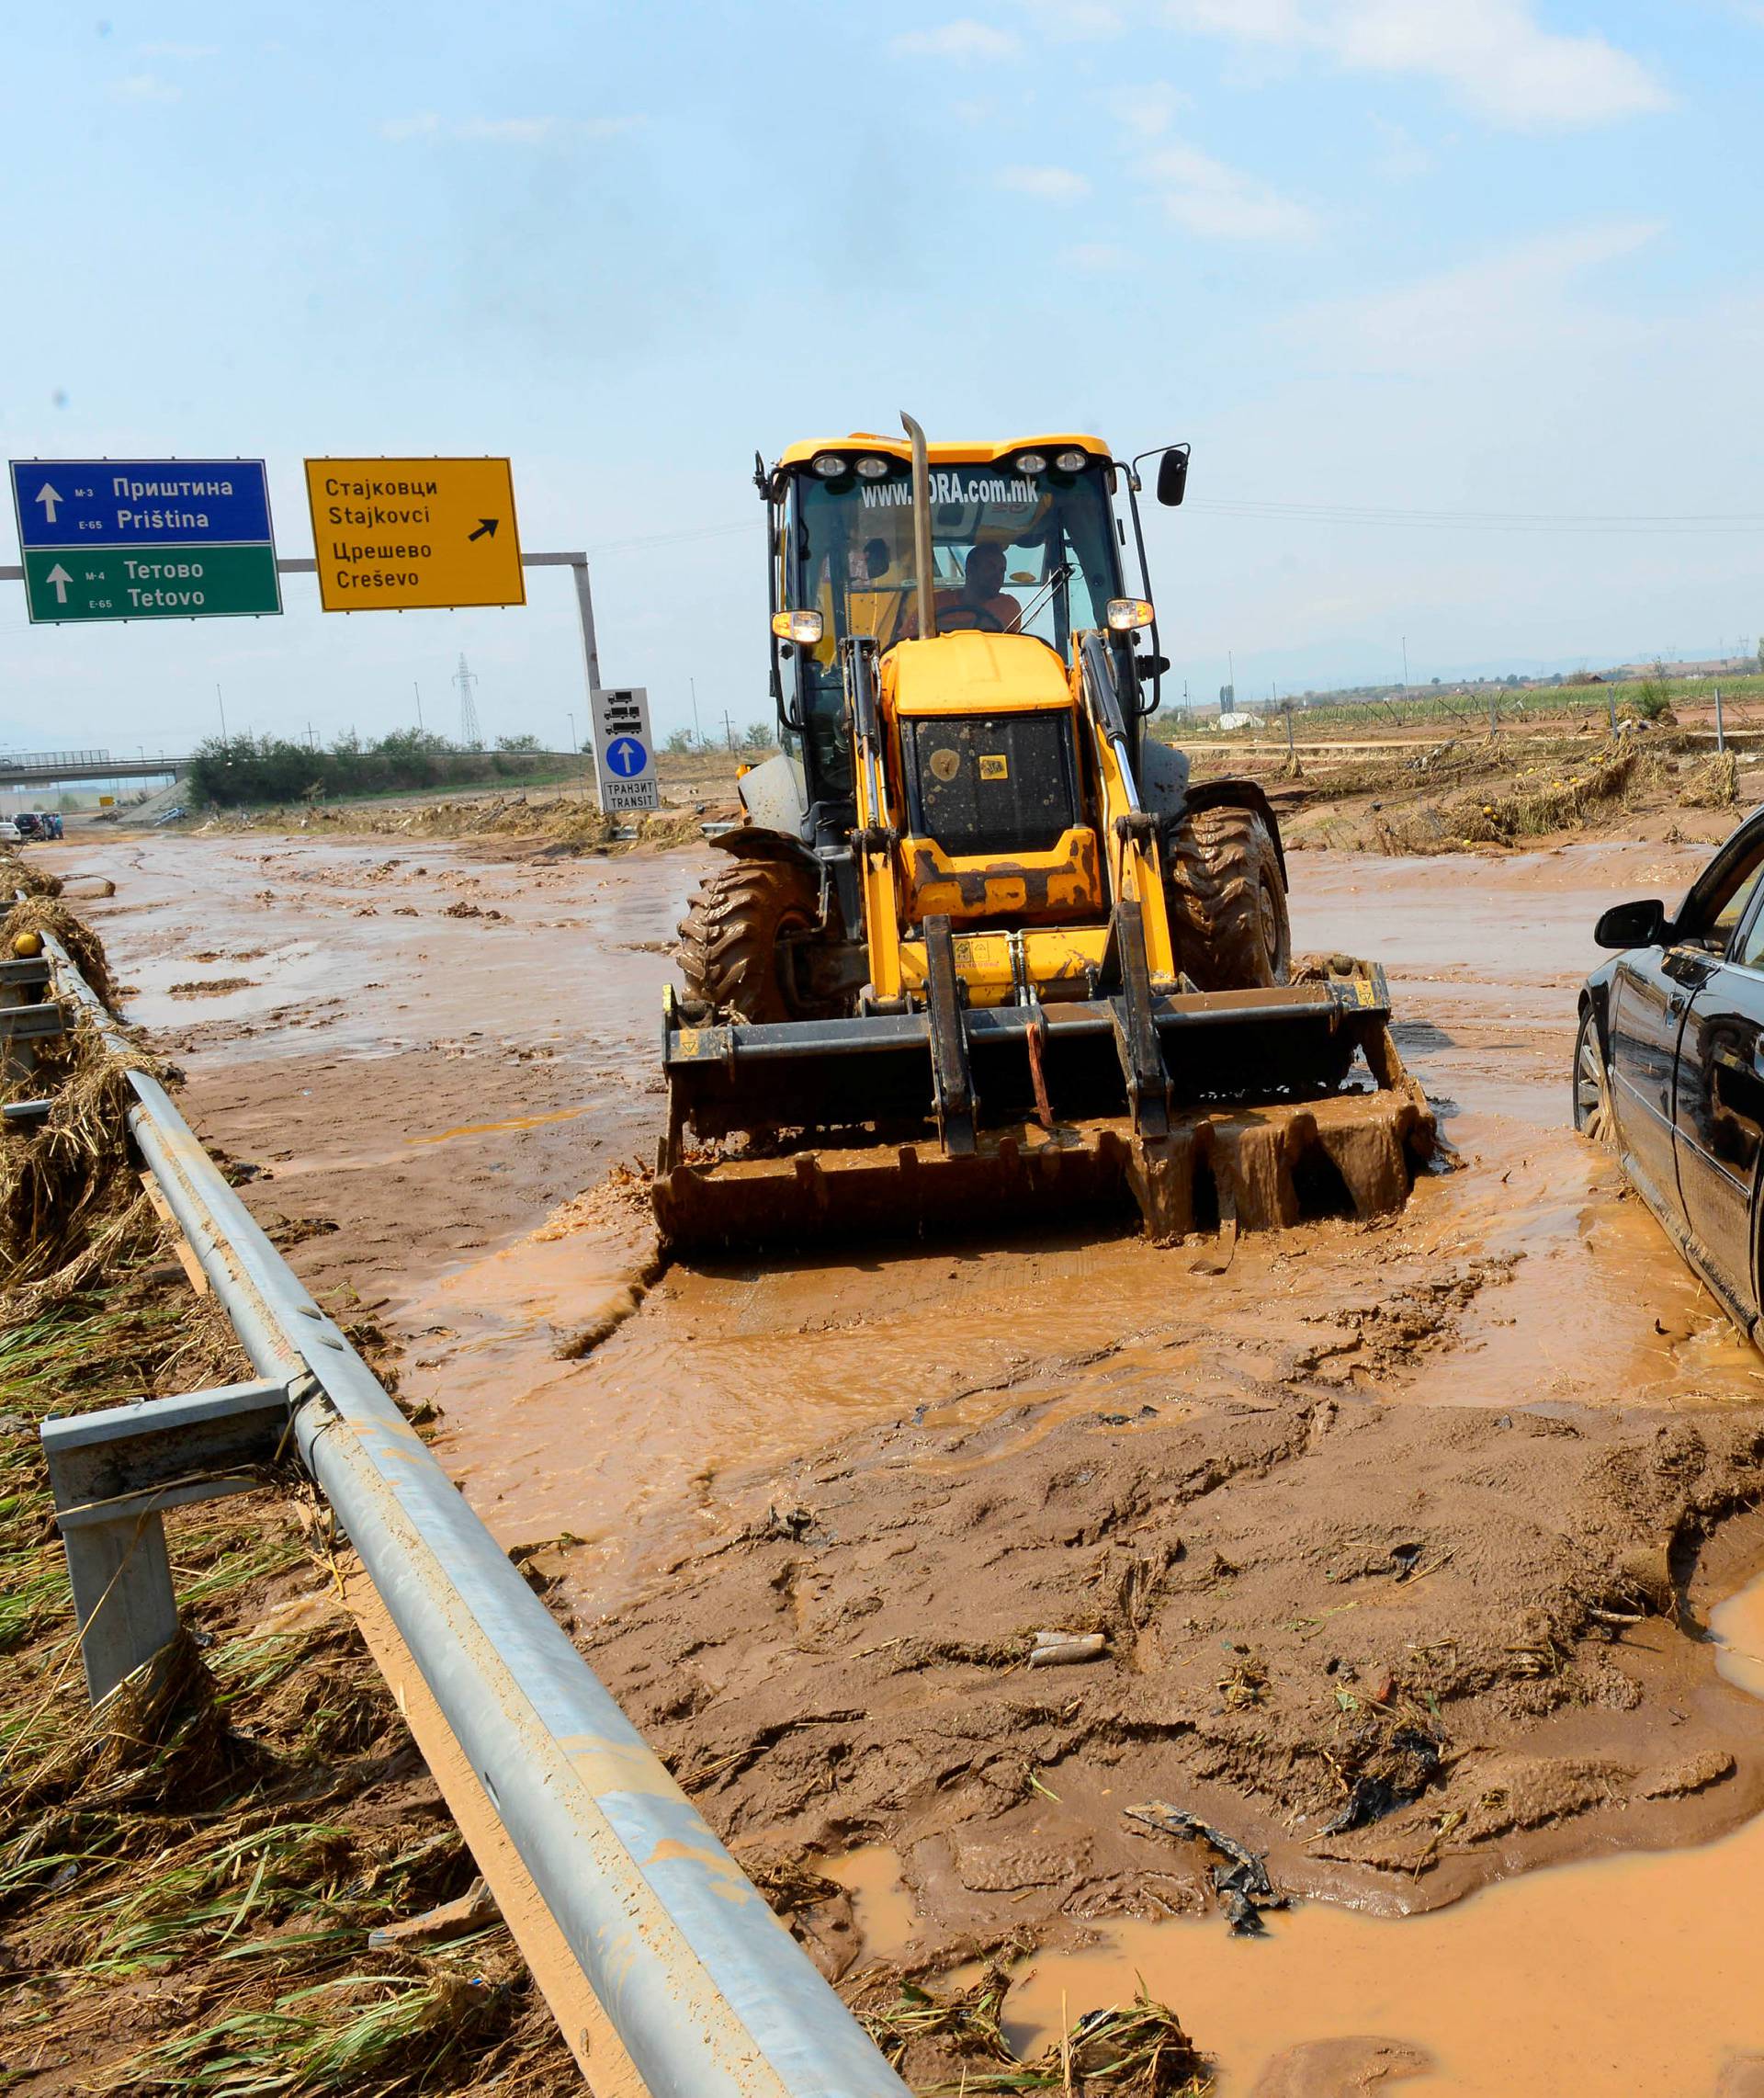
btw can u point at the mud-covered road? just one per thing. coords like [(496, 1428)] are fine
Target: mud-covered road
[(1402, 1537)]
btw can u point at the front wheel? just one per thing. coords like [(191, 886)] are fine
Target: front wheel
[(1227, 900), (731, 940), (1592, 1115)]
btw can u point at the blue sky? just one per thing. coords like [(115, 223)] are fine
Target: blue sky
[(1481, 268)]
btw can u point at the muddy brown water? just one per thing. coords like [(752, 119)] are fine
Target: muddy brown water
[(431, 1086), (1626, 1975)]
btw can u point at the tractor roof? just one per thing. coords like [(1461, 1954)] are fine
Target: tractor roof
[(972, 454)]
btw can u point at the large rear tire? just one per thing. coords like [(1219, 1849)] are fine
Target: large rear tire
[(1227, 901), (729, 952)]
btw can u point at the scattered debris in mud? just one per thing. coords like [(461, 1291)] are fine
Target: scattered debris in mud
[(955, 2041), (1360, 1682), (210, 986)]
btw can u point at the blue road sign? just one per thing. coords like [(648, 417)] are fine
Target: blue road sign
[(140, 501), (626, 756)]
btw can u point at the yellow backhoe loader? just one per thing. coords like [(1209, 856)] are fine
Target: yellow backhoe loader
[(981, 947)]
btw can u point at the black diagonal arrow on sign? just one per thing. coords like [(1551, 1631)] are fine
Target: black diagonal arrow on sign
[(484, 525)]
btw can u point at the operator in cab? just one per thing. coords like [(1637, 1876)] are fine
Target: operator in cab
[(982, 603)]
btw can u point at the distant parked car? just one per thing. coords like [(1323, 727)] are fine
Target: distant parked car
[(171, 816), (9, 832), (1668, 1065), (29, 823)]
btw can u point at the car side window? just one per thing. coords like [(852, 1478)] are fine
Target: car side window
[(1716, 912), (1728, 917), (1748, 949)]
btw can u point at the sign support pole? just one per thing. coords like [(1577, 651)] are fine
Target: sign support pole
[(586, 605)]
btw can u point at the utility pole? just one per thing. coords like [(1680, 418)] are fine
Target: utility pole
[(697, 733), (1404, 666), (222, 705), (729, 731), (418, 690)]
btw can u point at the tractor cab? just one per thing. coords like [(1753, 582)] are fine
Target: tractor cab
[(1022, 541)]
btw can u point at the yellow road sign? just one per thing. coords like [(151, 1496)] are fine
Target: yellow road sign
[(398, 535)]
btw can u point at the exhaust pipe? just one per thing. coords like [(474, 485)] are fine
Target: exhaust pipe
[(922, 529)]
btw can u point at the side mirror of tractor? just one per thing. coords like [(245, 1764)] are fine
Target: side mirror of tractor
[(1632, 925), (1172, 476)]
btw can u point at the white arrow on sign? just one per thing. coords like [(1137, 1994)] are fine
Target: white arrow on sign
[(48, 497), (59, 576)]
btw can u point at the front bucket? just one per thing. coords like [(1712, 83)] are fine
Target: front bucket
[(1242, 1119), (1257, 1168)]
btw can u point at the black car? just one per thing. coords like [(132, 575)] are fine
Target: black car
[(1668, 1065)]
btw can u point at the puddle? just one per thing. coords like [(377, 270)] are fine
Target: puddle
[(1628, 1974), (881, 1906)]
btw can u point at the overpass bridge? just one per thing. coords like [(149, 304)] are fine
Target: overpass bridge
[(70, 767)]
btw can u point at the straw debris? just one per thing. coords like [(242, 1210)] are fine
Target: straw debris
[(17, 873), (39, 912), (957, 2042)]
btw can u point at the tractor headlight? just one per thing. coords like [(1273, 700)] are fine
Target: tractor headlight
[(829, 466), (1032, 463), (873, 469), (1071, 462), (1126, 613), (803, 627)]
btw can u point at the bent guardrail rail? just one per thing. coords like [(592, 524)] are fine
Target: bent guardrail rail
[(709, 1995)]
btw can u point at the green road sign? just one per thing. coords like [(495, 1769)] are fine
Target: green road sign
[(150, 582)]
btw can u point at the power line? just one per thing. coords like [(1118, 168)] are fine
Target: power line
[(1640, 524)]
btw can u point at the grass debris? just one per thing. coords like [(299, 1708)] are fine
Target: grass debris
[(188, 1876), (957, 2043)]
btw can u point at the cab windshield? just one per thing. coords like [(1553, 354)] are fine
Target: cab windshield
[(1012, 553)]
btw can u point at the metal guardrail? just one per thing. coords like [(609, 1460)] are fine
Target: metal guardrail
[(47, 760), (710, 1996)]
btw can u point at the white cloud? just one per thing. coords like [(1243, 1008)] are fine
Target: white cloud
[(144, 88), (1149, 108), (1097, 255), (1220, 202), (962, 40), (1075, 21), (1495, 54), (504, 130), (1515, 304), (1402, 159), (1048, 185), (508, 131)]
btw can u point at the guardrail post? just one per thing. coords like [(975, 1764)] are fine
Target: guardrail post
[(123, 1597), (113, 1472)]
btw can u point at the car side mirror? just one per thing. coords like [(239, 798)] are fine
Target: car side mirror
[(1172, 476), (1632, 925)]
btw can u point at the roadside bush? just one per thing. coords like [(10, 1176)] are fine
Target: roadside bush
[(241, 771)]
